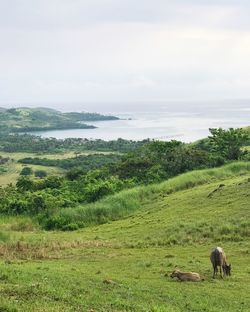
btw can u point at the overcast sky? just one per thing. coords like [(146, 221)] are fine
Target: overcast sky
[(123, 50)]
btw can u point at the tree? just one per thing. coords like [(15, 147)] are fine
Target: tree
[(24, 184), (40, 174), (228, 143), (37, 203), (26, 171), (53, 182)]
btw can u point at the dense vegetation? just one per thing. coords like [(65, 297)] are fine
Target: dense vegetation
[(91, 177), (35, 144), (82, 163), (40, 119)]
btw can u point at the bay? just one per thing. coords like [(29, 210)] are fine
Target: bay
[(185, 121)]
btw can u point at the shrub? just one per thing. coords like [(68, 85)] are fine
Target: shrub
[(26, 171), (40, 174), (70, 227)]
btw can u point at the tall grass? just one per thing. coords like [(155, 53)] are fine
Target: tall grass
[(122, 204)]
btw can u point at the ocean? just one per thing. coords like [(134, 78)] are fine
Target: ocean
[(184, 121)]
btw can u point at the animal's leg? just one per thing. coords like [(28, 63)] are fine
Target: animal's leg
[(214, 271), (221, 270)]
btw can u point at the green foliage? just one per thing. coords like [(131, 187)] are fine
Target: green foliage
[(38, 204), (157, 161), (52, 182), (228, 143), (32, 143), (97, 189), (2, 169), (26, 171), (89, 116), (18, 206), (40, 174), (24, 184), (84, 163)]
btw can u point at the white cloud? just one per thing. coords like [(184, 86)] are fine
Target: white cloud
[(106, 50)]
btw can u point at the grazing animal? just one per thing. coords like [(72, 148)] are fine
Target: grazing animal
[(218, 259), (186, 276)]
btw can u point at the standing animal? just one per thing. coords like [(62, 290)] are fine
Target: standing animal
[(186, 276), (218, 259)]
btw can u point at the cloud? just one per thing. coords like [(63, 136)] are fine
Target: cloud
[(99, 50), (67, 14)]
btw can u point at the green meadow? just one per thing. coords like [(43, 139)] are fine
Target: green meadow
[(13, 168), (124, 264)]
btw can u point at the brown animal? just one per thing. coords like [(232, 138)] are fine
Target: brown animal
[(186, 276), (218, 259)]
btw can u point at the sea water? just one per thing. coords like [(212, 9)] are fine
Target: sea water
[(185, 121)]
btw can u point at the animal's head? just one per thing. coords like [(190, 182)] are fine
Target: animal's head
[(228, 269), (174, 273)]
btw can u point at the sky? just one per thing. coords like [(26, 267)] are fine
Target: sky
[(65, 51)]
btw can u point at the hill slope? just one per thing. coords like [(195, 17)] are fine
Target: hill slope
[(124, 265), (37, 119)]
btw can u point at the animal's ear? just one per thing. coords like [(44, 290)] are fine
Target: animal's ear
[(229, 266)]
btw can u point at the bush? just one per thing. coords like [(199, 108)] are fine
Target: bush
[(40, 174), (70, 227), (24, 184), (26, 171)]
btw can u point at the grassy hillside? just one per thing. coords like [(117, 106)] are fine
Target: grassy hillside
[(120, 205), (124, 265), (37, 119)]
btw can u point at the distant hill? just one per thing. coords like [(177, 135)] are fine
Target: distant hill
[(26, 119)]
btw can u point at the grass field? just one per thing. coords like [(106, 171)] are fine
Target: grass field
[(124, 265), (66, 154), (13, 168)]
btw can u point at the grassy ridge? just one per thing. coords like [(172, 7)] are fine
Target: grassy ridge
[(39, 119), (125, 202), (70, 271)]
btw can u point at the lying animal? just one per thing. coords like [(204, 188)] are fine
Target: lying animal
[(186, 276), (218, 259)]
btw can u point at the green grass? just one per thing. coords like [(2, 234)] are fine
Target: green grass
[(62, 155), (13, 169), (122, 204), (9, 172), (175, 225)]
